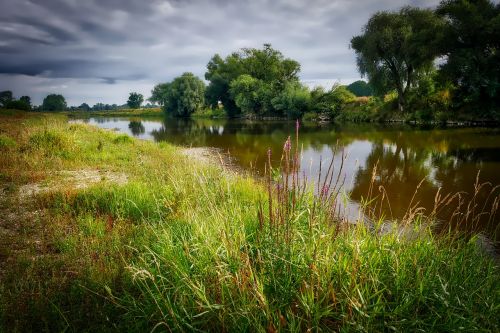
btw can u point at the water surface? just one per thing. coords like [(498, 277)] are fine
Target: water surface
[(406, 157)]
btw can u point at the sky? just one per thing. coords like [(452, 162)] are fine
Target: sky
[(100, 50)]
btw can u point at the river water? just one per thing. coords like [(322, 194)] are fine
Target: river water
[(412, 162)]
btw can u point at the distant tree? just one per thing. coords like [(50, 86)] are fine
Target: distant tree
[(84, 107), (159, 93), (5, 97), (18, 105), (135, 100), (395, 47), (26, 100), (471, 47), (360, 88), (185, 95), (98, 107), (293, 101), (54, 102)]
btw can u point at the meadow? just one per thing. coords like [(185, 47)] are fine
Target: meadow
[(103, 232)]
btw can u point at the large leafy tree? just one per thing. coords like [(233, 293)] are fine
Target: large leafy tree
[(54, 102), (159, 93), (395, 47), (267, 67), (220, 73), (471, 45), (184, 95), (135, 100)]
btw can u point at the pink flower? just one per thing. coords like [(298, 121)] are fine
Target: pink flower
[(288, 145)]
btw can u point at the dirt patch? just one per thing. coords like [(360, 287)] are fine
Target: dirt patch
[(212, 156), (76, 179)]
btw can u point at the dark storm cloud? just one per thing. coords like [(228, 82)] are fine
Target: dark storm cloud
[(115, 46)]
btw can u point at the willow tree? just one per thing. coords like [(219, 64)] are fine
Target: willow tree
[(396, 47)]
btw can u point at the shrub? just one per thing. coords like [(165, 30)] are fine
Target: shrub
[(122, 139)]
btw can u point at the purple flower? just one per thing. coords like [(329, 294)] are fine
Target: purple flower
[(324, 190), (288, 145)]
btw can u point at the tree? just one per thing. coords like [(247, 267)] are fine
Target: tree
[(185, 95), (332, 101), (5, 97), (135, 100), (159, 93), (360, 88), (84, 107), (26, 100), (471, 47), (271, 70), (54, 102), (293, 101), (247, 91), (18, 105), (395, 47), (220, 73)]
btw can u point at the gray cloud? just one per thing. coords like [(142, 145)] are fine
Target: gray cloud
[(99, 50)]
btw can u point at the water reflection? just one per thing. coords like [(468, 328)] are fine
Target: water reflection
[(406, 157), (136, 127)]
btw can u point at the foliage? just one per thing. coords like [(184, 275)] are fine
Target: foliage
[(135, 100), (395, 47), (54, 102), (360, 88), (471, 45), (268, 69), (331, 102), (293, 101), (84, 107), (184, 95), (9, 102), (18, 105), (159, 94), (248, 94), (5, 97)]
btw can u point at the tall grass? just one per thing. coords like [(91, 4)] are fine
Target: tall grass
[(186, 247)]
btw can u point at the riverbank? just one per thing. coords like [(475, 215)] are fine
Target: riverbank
[(153, 112), (103, 232)]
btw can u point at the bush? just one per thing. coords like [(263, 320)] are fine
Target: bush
[(123, 138)]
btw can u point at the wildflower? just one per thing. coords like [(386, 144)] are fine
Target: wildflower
[(288, 145), (324, 190)]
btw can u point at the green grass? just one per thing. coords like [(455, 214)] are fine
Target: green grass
[(152, 112), (182, 246)]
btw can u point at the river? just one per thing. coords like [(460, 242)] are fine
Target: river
[(412, 162)]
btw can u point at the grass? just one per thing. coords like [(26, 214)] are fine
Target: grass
[(151, 112), (182, 246)]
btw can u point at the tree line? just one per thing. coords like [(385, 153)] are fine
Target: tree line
[(424, 64), (420, 64)]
